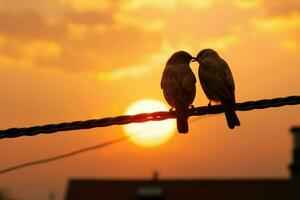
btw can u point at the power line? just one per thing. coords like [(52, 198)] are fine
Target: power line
[(125, 119), (62, 156), (143, 117), (66, 155)]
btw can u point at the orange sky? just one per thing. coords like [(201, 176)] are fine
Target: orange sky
[(65, 60)]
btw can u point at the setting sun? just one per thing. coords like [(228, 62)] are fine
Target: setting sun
[(149, 134)]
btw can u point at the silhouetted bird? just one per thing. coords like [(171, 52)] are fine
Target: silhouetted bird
[(217, 82), (178, 84)]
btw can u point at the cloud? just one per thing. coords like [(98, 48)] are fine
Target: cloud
[(26, 55), (290, 44), (119, 38), (74, 42), (167, 5), (187, 24), (278, 23), (247, 4), (125, 72), (277, 7), (86, 5), (221, 43), (29, 25), (108, 48), (153, 63), (184, 29), (90, 17), (281, 20), (156, 61)]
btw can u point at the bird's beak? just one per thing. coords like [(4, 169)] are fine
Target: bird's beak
[(194, 59)]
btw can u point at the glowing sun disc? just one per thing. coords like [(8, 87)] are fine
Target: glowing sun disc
[(153, 133)]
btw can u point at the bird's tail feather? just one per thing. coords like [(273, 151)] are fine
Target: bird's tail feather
[(182, 116), (231, 117)]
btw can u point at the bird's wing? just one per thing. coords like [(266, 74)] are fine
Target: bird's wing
[(211, 74), (168, 80), (188, 80), (178, 83), (227, 78), (169, 83), (213, 79), (165, 77), (228, 75)]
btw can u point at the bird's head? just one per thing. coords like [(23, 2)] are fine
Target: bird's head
[(180, 57), (204, 53)]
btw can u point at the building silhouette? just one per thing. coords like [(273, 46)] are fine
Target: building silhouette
[(155, 189)]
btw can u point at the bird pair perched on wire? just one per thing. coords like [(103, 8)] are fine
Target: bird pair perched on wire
[(178, 84)]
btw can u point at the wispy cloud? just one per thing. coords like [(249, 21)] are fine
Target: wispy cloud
[(290, 44), (86, 5), (70, 43), (149, 65), (167, 5), (278, 23), (152, 63), (221, 43), (247, 4)]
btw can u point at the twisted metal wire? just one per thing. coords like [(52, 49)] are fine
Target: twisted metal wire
[(63, 156), (143, 117)]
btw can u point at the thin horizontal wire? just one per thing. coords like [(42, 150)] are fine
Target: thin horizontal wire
[(143, 117), (63, 156), (70, 154)]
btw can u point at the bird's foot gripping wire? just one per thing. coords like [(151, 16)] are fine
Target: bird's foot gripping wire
[(209, 104), (192, 108), (209, 107), (172, 109)]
